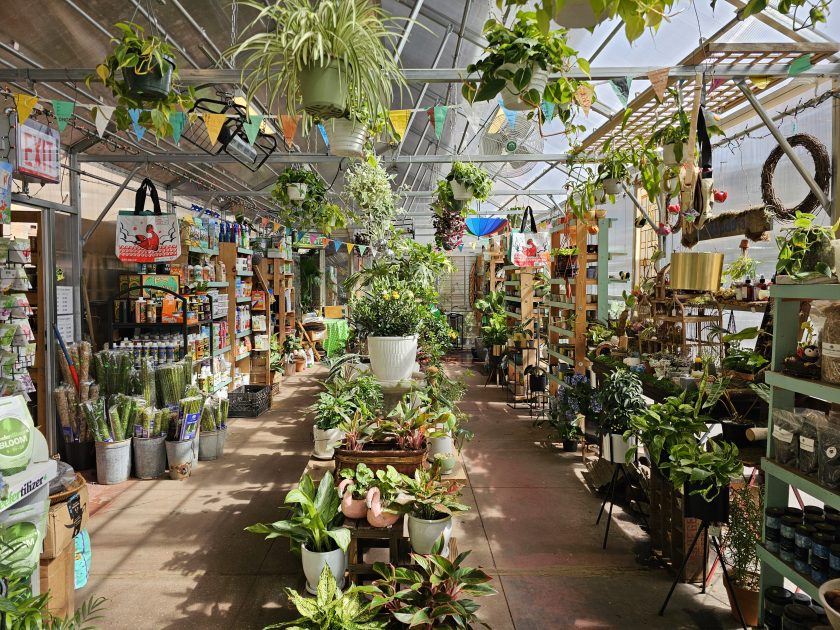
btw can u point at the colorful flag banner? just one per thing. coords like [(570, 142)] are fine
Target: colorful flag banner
[(399, 120), (547, 110), (324, 134), (337, 245), (716, 83), (800, 65), (510, 115), (440, 112), (312, 239), (659, 82), (214, 124), (63, 110), (362, 249), (473, 117), (289, 125), (252, 127), (350, 247), (139, 129), (583, 96), (621, 87), (178, 120), (24, 103), (102, 118), (461, 247), (760, 82)]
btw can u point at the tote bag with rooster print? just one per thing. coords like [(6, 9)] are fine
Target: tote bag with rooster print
[(147, 236)]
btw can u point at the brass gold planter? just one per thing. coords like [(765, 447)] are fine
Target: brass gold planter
[(696, 271)]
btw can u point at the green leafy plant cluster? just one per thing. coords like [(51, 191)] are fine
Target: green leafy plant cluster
[(742, 267), (430, 497), (313, 212), (435, 336), (512, 56), (368, 185), (615, 162), (386, 309), (708, 469), (495, 331), (473, 177), (559, 424), (343, 398), (621, 398), (805, 248), (746, 512), (133, 51), (25, 611)]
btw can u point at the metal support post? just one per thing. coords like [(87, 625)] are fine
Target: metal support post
[(785, 146), (76, 203), (109, 205), (639, 206)]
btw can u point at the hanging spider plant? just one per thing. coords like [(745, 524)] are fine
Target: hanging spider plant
[(321, 56)]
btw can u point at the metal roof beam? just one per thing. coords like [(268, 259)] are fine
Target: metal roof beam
[(408, 193), (319, 158)]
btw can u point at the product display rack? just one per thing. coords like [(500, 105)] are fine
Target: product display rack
[(522, 306), (569, 304), (781, 480), (240, 280)]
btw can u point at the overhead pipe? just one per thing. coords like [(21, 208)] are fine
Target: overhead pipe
[(109, 205)]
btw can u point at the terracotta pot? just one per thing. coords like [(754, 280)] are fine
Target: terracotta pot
[(350, 507), (376, 516), (747, 603), (300, 363)]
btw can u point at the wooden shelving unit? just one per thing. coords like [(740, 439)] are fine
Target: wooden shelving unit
[(228, 254), (685, 323), (779, 479), (523, 307)]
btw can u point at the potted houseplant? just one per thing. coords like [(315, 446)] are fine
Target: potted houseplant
[(333, 407), (469, 181), (448, 219), (381, 499), (367, 185), (432, 503), (494, 333), (739, 545), (142, 74), (612, 170), (353, 489), (672, 137), (563, 422), (621, 397), (517, 62), (805, 251), (434, 589), (704, 474), (388, 315), (314, 529), (299, 184), (302, 197), (320, 55)]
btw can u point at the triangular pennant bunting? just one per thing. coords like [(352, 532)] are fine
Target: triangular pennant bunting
[(716, 83), (337, 245), (621, 87), (659, 82), (547, 110), (63, 110), (510, 115), (214, 124), (461, 247), (289, 125), (350, 247), (362, 249), (324, 134), (474, 118), (440, 119), (252, 127), (275, 226), (312, 239), (103, 117), (800, 65), (24, 104), (399, 120), (178, 120), (139, 129), (760, 82), (583, 96)]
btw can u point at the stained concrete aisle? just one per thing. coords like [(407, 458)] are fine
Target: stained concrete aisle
[(174, 554)]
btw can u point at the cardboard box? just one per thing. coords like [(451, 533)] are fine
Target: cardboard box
[(64, 521), (58, 577)]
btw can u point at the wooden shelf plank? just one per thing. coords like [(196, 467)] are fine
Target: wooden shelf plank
[(775, 563), (814, 389)]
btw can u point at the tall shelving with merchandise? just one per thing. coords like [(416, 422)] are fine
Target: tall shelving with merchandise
[(238, 261), (781, 479), (523, 309), (579, 290)]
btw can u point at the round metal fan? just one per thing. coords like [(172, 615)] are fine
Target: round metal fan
[(523, 139)]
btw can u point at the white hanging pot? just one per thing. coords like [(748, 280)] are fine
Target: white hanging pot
[(297, 192), (314, 562), (577, 14), (612, 186), (425, 533), (616, 447), (348, 138), (669, 154), (325, 442), (511, 97), (392, 358), (461, 192)]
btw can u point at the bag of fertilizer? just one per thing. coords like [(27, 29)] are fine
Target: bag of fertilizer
[(16, 435)]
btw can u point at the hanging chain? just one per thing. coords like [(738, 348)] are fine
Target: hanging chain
[(233, 22)]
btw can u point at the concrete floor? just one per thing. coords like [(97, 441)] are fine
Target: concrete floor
[(174, 554)]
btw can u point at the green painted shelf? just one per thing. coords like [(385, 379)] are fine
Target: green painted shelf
[(221, 351), (513, 315), (560, 356), (208, 251), (828, 291), (804, 582), (244, 274), (245, 251), (221, 385), (243, 299), (814, 389), (561, 331), (808, 485), (513, 298), (244, 355), (242, 334), (569, 306)]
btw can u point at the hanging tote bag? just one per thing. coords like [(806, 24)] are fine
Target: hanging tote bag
[(147, 237), (529, 249)]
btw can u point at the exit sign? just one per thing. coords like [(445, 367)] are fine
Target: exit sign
[(37, 152)]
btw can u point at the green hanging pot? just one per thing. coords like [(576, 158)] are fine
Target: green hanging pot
[(154, 85), (323, 90)]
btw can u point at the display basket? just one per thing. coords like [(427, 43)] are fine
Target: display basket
[(249, 401)]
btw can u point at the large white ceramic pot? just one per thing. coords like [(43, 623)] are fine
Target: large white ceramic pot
[(392, 358), (577, 14), (443, 446), (348, 138), (314, 562), (616, 447), (425, 533), (510, 95), (297, 192), (669, 154), (325, 442)]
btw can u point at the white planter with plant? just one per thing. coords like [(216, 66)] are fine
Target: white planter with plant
[(620, 398), (432, 504), (342, 398), (314, 529), (367, 185), (469, 181), (512, 96), (675, 153), (301, 196), (443, 449), (577, 14), (325, 442), (392, 359), (296, 192), (347, 137)]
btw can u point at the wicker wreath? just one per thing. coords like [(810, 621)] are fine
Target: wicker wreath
[(822, 175)]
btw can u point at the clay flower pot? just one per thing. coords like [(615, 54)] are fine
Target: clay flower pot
[(376, 515), (350, 507)]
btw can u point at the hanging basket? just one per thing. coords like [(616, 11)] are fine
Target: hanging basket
[(461, 192), (578, 14), (323, 90), (512, 99), (151, 86), (297, 192), (348, 138)]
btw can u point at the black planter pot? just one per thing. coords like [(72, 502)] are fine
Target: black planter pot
[(154, 85), (736, 432), (538, 382), (714, 511), (570, 446)]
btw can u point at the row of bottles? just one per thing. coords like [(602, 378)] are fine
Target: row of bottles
[(158, 349), (749, 291)]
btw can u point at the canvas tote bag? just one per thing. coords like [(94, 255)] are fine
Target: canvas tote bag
[(532, 248), (147, 236)]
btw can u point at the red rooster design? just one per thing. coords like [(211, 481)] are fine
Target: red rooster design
[(150, 242)]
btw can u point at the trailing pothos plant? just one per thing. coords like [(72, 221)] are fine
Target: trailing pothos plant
[(709, 471), (368, 185), (615, 162), (805, 249), (513, 55), (472, 176), (134, 52), (313, 212)]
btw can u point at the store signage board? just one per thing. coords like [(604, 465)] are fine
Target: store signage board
[(64, 300), (37, 153)]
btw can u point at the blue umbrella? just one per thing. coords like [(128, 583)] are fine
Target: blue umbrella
[(486, 226)]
